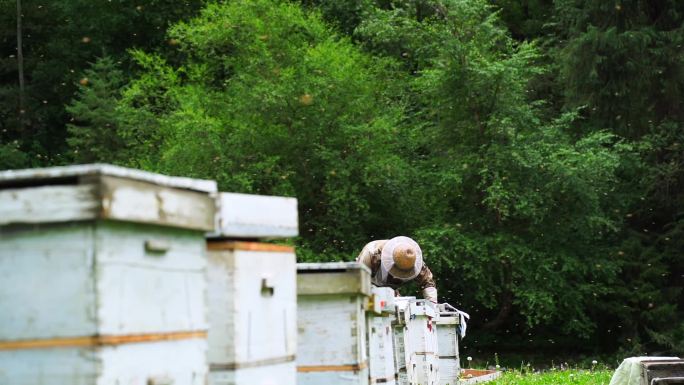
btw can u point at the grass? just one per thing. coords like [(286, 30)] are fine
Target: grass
[(555, 377)]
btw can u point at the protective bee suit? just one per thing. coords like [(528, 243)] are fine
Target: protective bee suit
[(397, 261)]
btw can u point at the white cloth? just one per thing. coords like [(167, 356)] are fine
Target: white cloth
[(463, 317), (464, 322), (630, 371)]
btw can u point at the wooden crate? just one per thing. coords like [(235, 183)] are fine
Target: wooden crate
[(447, 339), (415, 341), (252, 294), (478, 376), (331, 304), (662, 372), (256, 216), (381, 365), (103, 277), (252, 312)]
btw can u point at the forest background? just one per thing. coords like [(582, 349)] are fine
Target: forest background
[(534, 148)]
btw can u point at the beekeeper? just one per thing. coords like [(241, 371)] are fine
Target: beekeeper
[(397, 261)]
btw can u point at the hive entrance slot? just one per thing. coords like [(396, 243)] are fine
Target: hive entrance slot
[(26, 183)]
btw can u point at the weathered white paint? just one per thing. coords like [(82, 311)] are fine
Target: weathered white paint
[(135, 201), (252, 297), (333, 278), (76, 280), (65, 366), (405, 376), (447, 339), (252, 307), (416, 341), (279, 374), (256, 216), (96, 278), (46, 174), (160, 363), (48, 204), (102, 196), (333, 377), (47, 286), (335, 267), (331, 344), (382, 369), (90, 300), (139, 291), (331, 331), (182, 362)]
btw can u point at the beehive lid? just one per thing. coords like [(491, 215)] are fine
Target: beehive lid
[(63, 174), (255, 216), (322, 267), (102, 191), (333, 278)]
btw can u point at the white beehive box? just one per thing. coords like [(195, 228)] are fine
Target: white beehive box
[(252, 295), (331, 303), (448, 330), (103, 277), (256, 216), (415, 340), (269, 374), (381, 363), (252, 307)]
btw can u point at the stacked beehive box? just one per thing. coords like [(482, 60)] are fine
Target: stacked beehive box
[(381, 363), (331, 303), (662, 372), (102, 277), (252, 299), (415, 342), (448, 330)]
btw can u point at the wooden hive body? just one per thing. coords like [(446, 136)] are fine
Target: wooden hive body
[(662, 372), (447, 340), (252, 294), (252, 313), (102, 277), (331, 341), (415, 341), (381, 365)]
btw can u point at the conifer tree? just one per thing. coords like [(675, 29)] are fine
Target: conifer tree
[(93, 131)]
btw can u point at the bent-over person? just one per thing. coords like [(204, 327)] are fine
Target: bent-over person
[(397, 261)]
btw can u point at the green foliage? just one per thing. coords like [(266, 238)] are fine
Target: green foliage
[(271, 101), (526, 19), (534, 148), (523, 206), (556, 377), (344, 15), (60, 39), (12, 157), (623, 64), (93, 135)]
